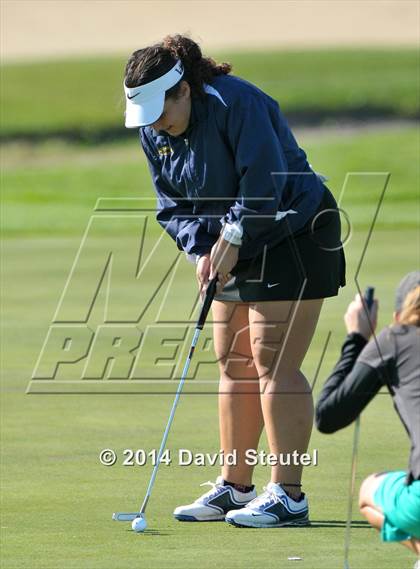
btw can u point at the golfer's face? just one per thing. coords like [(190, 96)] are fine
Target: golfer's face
[(176, 114)]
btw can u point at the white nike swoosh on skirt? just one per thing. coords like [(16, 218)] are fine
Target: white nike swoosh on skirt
[(269, 285)]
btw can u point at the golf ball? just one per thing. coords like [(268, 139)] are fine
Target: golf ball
[(139, 524)]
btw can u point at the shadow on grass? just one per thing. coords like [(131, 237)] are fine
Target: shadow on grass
[(321, 524), (150, 532), (360, 524)]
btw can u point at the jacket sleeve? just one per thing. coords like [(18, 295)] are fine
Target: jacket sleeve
[(175, 213), (258, 154), (350, 387)]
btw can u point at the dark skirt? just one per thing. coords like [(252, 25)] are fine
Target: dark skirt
[(306, 265)]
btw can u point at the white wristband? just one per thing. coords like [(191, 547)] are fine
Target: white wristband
[(232, 233), (192, 258)]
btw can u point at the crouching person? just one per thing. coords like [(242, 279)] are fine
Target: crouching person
[(390, 501)]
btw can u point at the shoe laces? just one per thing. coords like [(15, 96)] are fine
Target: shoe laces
[(215, 488), (266, 498)]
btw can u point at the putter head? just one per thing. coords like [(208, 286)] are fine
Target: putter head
[(125, 517)]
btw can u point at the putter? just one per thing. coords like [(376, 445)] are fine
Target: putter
[(368, 301), (210, 292)]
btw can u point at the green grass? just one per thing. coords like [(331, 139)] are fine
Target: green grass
[(87, 94), (56, 192), (57, 499)]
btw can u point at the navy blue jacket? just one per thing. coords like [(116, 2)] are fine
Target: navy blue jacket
[(238, 162)]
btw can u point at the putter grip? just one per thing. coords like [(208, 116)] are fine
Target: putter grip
[(210, 292), (368, 297)]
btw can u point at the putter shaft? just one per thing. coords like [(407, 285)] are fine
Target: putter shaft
[(210, 292)]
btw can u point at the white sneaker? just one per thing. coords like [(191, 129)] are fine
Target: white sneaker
[(274, 508), (214, 504)]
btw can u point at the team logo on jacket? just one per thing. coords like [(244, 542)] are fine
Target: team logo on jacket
[(165, 150)]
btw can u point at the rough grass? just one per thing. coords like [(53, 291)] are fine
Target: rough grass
[(86, 94)]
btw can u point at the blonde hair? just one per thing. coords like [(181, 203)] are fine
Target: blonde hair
[(410, 311)]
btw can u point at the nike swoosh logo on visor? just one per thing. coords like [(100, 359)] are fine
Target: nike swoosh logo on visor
[(128, 96)]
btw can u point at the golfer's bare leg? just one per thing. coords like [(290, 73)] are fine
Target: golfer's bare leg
[(240, 415), (373, 512), (280, 334)]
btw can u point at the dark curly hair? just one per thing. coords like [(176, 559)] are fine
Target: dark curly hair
[(147, 64)]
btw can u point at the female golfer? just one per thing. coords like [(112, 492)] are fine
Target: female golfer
[(236, 193), (390, 501)]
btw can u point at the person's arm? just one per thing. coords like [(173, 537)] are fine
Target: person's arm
[(177, 219), (352, 384), (258, 154), (347, 391), (175, 213)]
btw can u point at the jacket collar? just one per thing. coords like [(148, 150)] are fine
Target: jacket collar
[(198, 112)]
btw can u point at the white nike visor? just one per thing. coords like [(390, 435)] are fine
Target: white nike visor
[(144, 104)]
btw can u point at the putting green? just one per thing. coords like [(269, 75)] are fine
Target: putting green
[(57, 497)]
